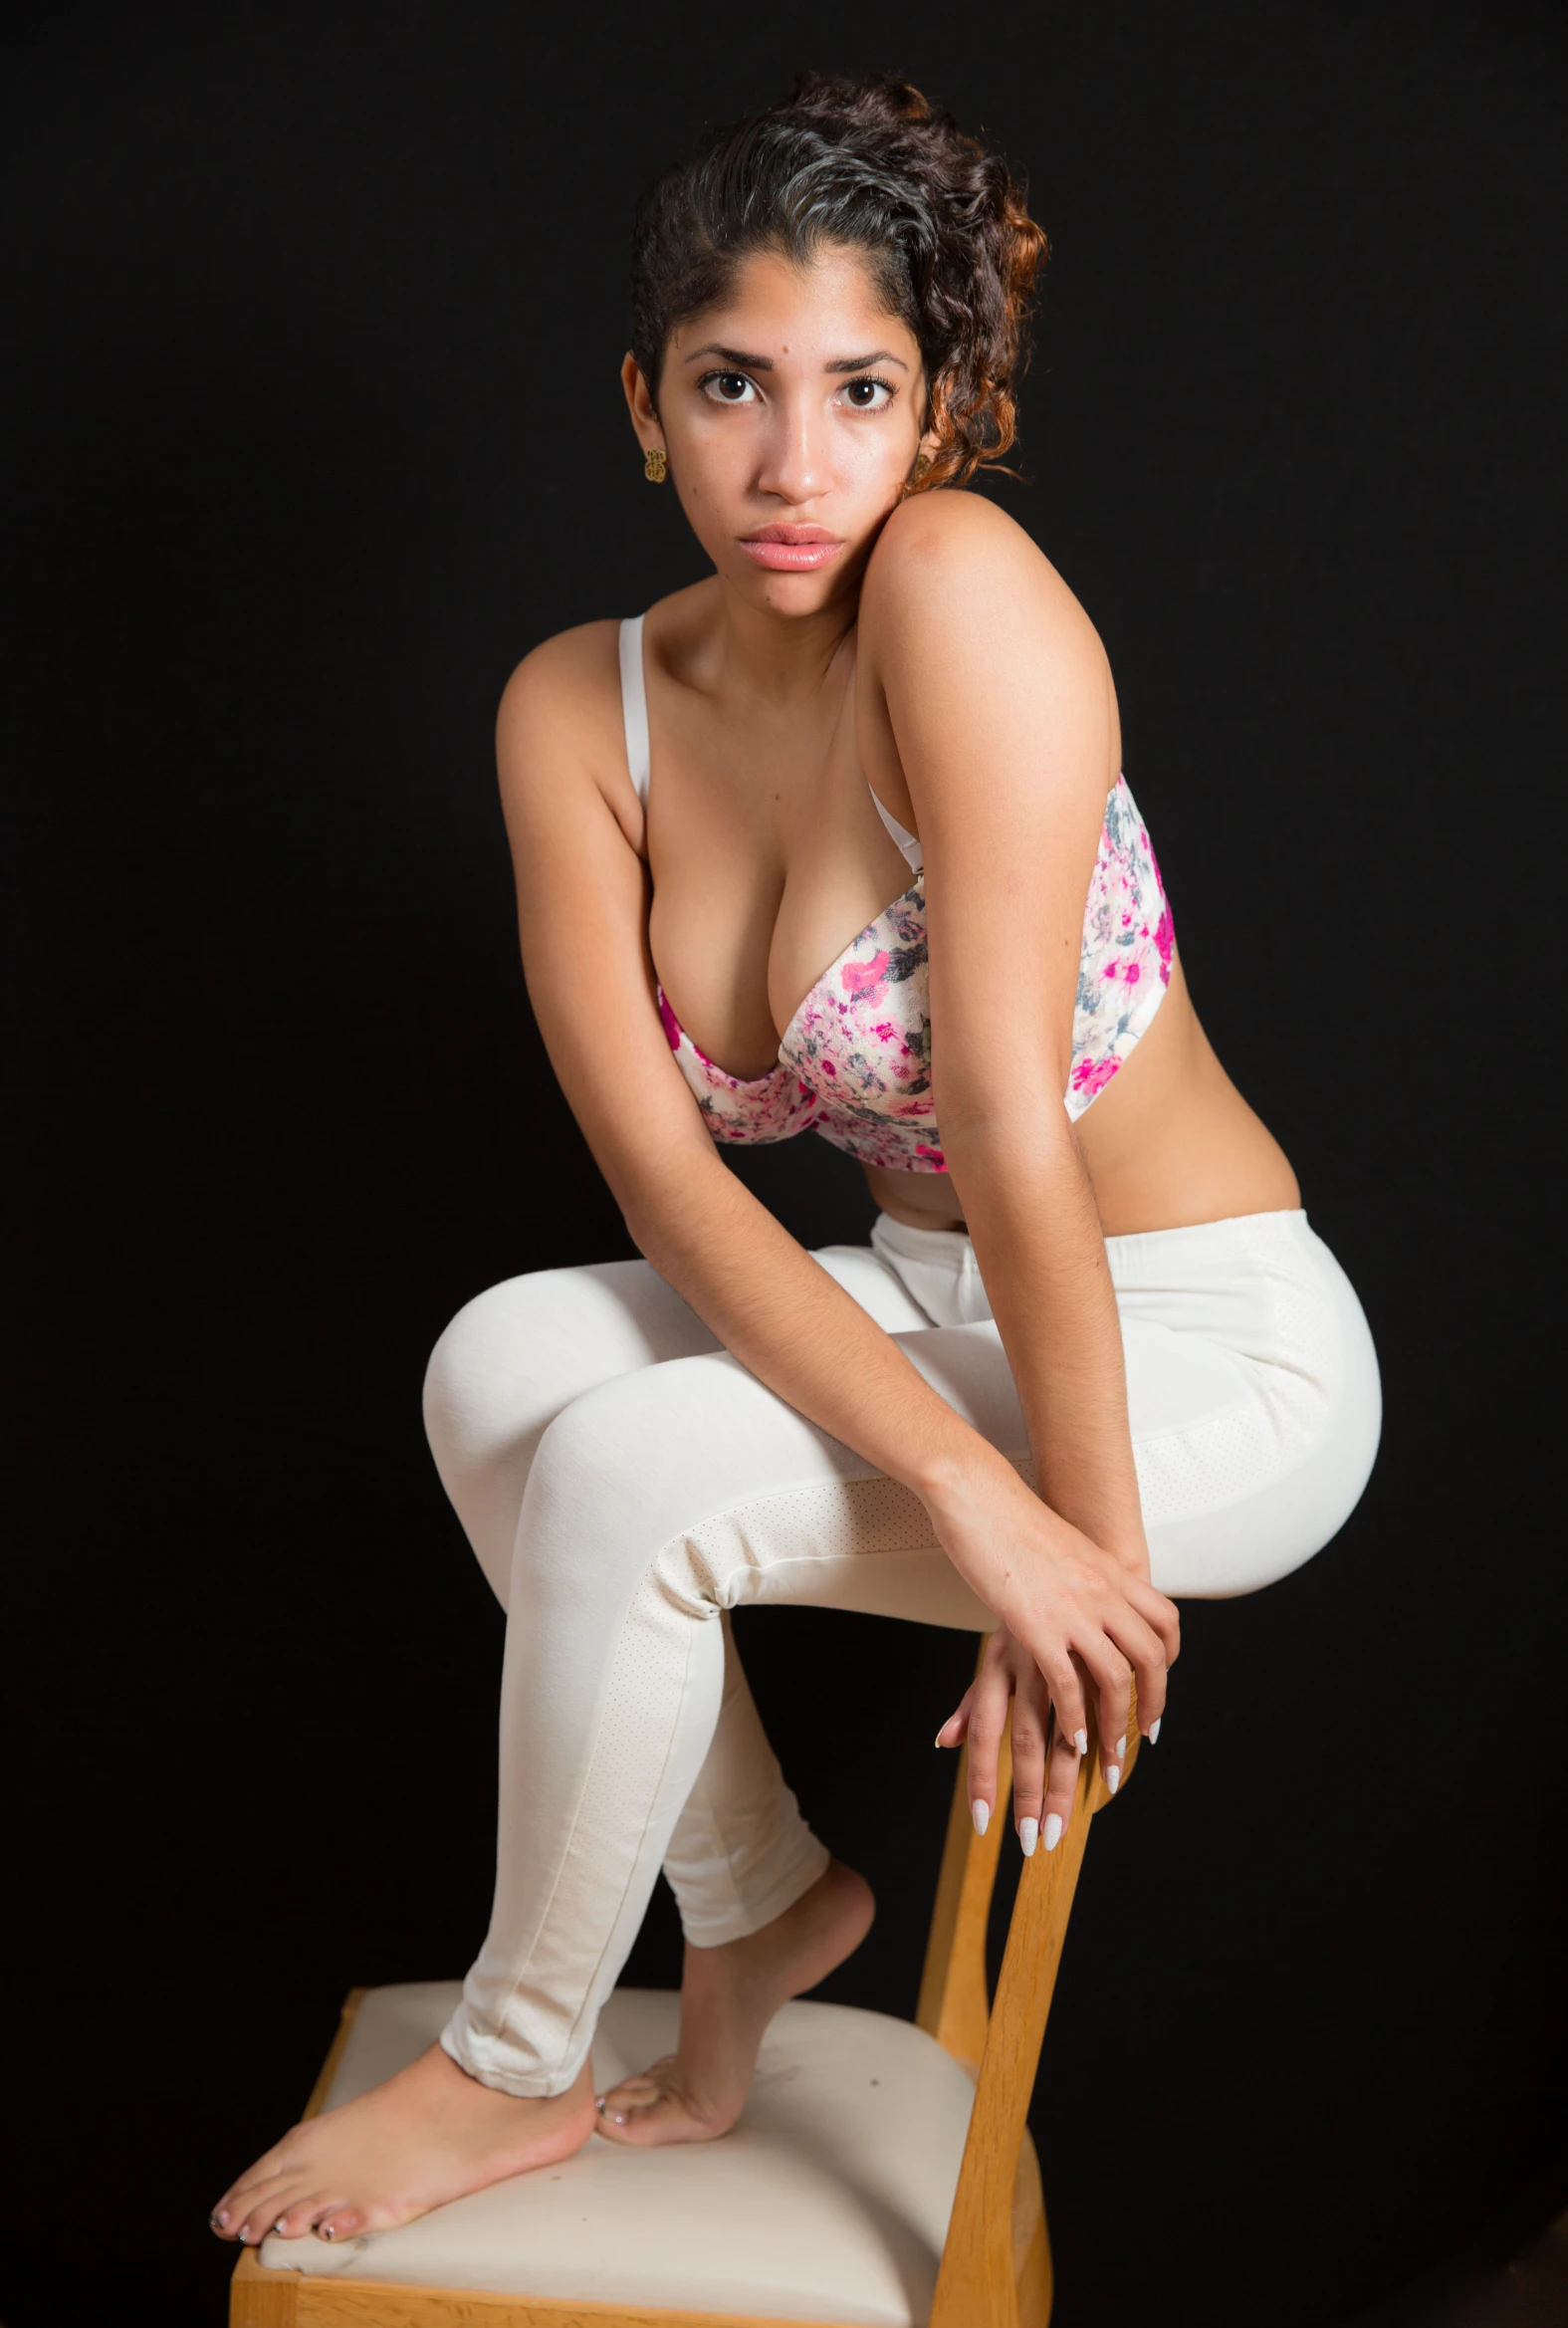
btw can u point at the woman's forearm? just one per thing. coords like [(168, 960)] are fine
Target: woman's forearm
[(795, 1327), (1030, 1208)]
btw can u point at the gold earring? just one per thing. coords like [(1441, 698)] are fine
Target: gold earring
[(656, 464), (922, 463)]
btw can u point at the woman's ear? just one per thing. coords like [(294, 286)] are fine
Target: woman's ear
[(930, 439), (644, 420)]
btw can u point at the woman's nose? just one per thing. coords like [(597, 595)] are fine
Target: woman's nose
[(794, 461)]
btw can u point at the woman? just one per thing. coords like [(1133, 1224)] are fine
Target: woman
[(1093, 1354)]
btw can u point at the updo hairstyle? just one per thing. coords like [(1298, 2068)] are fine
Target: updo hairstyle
[(871, 164)]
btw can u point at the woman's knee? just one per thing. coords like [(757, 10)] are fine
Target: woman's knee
[(481, 1382), (627, 1475)]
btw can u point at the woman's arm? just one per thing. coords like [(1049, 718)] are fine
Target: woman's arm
[(1000, 703), (574, 825)]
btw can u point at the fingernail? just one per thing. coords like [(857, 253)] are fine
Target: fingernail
[(1113, 1777), (1121, 1748), (1080, 1738), (979, 1812), (937, 1740), (598, 2104), (327, 2230), (1028, 1835), (1052, 1832), (239, 2234), (617, 2116), (216, 2223), (1153, 1729)]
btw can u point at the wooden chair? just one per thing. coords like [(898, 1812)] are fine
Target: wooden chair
[(995, 2268)]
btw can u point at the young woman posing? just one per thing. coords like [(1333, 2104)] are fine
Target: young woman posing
[(1093, 1355)]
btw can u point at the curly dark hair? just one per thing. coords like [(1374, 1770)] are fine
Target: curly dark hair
[(868, 163)]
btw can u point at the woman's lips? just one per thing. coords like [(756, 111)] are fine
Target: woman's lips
[(792, 548)]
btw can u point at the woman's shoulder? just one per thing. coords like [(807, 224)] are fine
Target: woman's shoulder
[(576, 672), (952, 561)]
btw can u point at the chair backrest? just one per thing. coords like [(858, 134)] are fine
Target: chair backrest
[(998, 2213)]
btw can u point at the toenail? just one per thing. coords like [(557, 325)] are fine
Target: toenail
[(327, 2230), (598, 2104), (619, 2118)]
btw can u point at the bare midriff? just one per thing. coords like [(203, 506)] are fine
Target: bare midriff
[(1168, 1143)]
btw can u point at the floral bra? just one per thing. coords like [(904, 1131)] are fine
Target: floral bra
[(855, 1061)]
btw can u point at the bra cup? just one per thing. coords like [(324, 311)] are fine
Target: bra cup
[(854, 1062)]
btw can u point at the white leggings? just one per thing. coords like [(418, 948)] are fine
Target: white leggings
[(625, 1482)]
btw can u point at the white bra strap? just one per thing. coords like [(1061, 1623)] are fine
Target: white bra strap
[(635, 704), (913, 852)]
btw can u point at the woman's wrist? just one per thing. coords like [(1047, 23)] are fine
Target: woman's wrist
[(952, 1481)]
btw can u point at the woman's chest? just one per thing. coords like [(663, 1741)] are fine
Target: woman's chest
[(768, 860)]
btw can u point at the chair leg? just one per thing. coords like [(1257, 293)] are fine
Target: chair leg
[(1034, 2278)]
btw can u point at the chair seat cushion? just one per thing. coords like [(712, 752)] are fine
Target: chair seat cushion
[(829, 2199)]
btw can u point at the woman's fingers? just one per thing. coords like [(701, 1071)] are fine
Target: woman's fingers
[(1144, 1651), (987, 1716), (1062, 1784), (1030, 1715), (1113, 1683), (1066, 1680), (956, 1728), (1159, 1614)]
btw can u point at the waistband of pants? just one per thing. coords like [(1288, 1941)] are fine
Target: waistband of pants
[(1148, 1253)]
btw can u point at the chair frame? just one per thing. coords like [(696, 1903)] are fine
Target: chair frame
[(995, 2269)]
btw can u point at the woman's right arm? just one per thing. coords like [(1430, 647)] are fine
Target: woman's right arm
[(575, 825)]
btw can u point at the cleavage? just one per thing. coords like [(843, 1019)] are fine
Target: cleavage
[(755, 896)]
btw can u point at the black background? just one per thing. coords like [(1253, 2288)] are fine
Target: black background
[(314, 429)]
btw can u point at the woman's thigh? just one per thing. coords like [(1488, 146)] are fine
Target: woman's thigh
[(518, 1355)]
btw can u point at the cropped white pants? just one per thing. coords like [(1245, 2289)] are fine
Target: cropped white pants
[(625, 1482)]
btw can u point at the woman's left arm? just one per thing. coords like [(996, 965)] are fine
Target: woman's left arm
[(1001, 707)]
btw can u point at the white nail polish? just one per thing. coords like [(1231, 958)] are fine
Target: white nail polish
[(1052, 1832), (1153, 1729), (1113, 1777), (1028, 1835), (1121, 1748), (1080, 1738), (979, 1812)]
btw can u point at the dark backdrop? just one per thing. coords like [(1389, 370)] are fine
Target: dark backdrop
[(313, 430)]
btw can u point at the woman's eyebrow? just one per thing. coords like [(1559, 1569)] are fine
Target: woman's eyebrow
[(735, 356), (859, 362), (745, 363)]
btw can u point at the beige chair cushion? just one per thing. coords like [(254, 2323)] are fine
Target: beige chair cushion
[(829, 2200)]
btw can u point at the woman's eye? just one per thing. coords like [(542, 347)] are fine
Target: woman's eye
[(727, 388), (868, 396)]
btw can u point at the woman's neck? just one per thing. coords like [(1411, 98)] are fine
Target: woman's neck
[(778, 658)]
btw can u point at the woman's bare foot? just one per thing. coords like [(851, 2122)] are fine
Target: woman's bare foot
[(429, 2134), (729, 1994)]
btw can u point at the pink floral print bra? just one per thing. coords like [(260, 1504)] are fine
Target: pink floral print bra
[(855, 1061)]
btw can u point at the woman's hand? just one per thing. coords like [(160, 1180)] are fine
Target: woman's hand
[(1079, 1623)]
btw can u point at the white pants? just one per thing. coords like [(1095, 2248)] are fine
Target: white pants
[(625, 1482)]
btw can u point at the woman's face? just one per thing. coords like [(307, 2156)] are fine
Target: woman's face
[(792, 417)]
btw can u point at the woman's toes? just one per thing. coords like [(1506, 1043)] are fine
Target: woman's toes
[(299, 2212), (339, 2222)]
